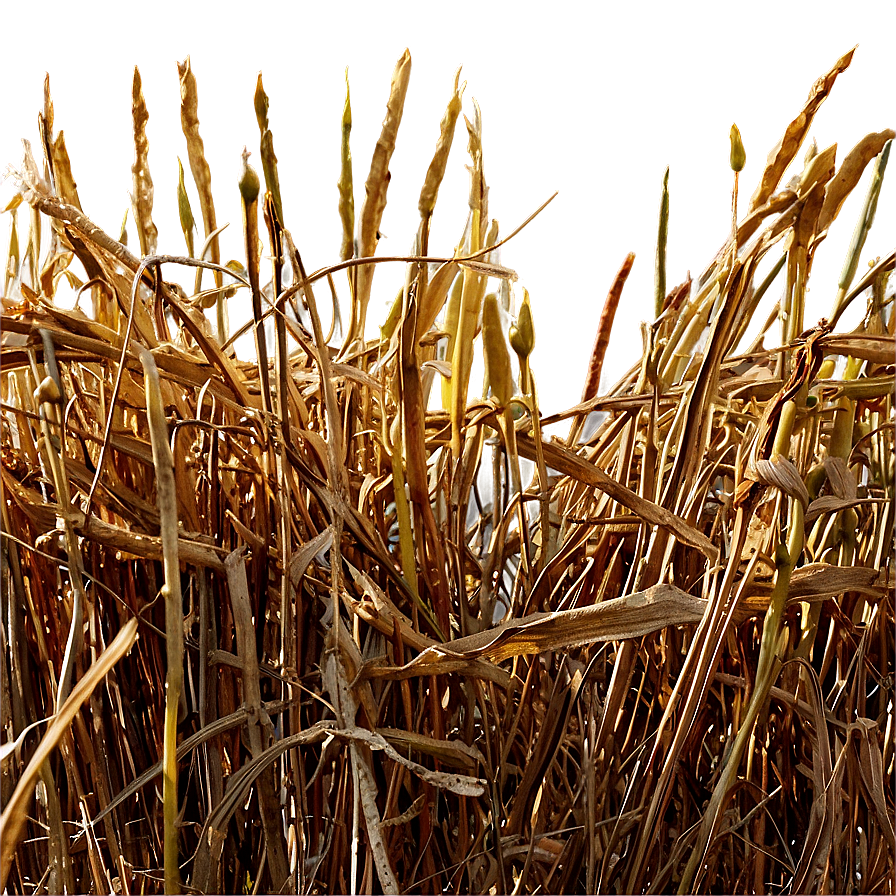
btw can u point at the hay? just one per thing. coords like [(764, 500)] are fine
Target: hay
[(669, 657)]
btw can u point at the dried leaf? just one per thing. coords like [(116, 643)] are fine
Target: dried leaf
[(614, 620), (781, 473), (434, 298), (849, 175), (14, 813), (463, 785), (66, 187), (783, 154), (877, 349), (842, 479)]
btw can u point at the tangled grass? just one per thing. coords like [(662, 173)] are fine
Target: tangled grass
[(305, 624)]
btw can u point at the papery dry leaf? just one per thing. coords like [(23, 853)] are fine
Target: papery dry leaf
[(453, 752), (614, 620), (781, 473), (463, 785), (878, 349), (66, 187), (831, 504), (14, 811), (783, 154), (850, 173), (571, 464), (842, 479)]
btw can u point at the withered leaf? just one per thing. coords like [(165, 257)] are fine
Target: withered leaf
[(783, 154)]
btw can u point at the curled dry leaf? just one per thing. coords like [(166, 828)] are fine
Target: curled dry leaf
[(781, 473), (848, 176), (783, 154), (626, 617)]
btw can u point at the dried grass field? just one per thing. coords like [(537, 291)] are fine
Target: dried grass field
[(344, 618)]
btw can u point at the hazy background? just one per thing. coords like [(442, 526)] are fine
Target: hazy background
[(591, 102)]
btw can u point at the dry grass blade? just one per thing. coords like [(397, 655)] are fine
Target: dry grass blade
[(849, 174), (632, 616), (15, 811), (785, 151)]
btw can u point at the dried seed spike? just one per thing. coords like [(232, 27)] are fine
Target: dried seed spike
[(605, 325), (142, 196), (346, 184), (375, 189), (189, 120), (436, 170), (13, 255), (45, 131), (261, 105), (785, 151), (478, 200), (268, 156)]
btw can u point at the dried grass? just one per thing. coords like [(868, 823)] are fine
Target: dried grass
[(670, 657)]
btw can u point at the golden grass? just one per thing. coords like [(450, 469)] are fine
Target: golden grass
[(371, 656)]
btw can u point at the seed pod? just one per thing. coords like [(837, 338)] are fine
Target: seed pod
[(738, 153), (250, 185), (497, 358), (522, 333)]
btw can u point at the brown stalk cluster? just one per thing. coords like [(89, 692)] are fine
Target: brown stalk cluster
[(304, 625)]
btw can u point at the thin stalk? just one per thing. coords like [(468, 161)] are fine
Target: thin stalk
[(860, 234), (166, 490), (772, 645)]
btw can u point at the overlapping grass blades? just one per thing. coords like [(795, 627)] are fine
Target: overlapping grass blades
[(669, 658)]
